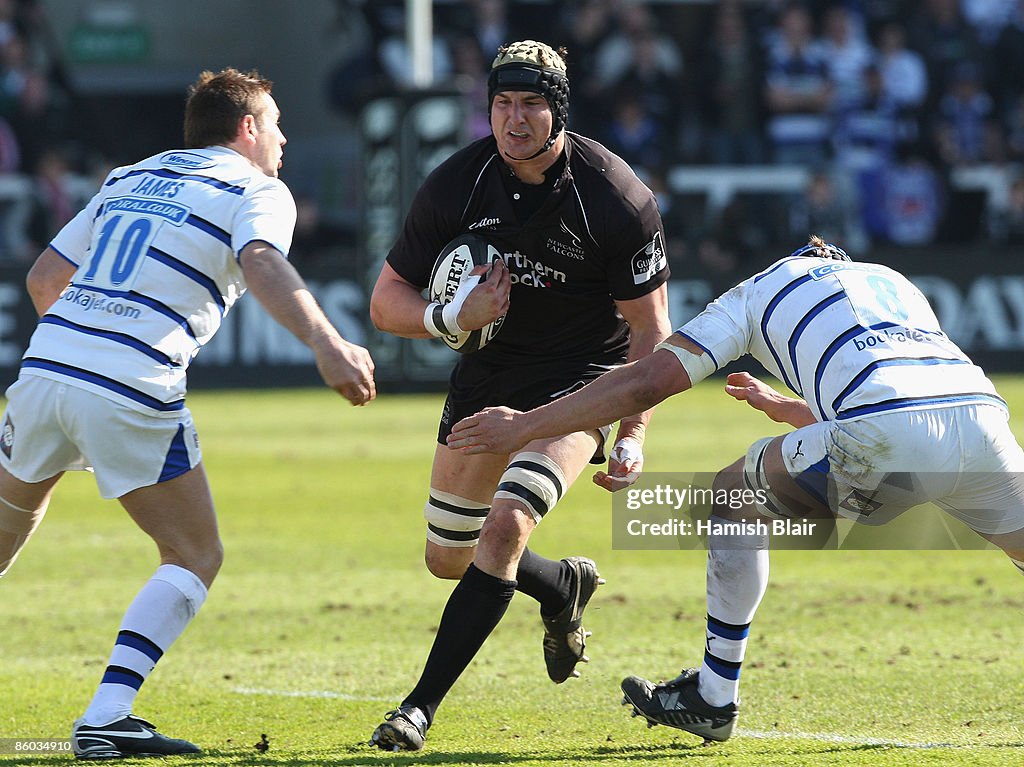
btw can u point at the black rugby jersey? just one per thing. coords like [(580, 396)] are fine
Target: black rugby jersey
[(597, 238)]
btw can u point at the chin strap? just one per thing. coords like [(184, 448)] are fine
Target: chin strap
[(547, 145)]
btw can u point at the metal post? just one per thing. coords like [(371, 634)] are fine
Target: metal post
[(419, 33)]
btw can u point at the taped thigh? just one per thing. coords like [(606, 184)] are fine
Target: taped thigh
[(453, 521), (16, 527), (756, 480), (535, 480)]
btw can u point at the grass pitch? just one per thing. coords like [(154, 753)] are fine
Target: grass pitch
[(323, 615)]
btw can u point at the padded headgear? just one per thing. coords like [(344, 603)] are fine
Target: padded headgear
[(536, 67)]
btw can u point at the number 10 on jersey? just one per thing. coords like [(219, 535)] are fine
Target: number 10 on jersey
[(118, 252)]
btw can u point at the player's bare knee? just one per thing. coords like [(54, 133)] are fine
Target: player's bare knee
[(447, 563), (204, 558), (16, 527), (208, 568), (214, 558), (507, 528)]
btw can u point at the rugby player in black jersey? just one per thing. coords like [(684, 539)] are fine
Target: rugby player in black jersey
[(582, 290)]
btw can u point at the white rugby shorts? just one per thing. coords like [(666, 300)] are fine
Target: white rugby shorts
[(50, 427), (964, 459)]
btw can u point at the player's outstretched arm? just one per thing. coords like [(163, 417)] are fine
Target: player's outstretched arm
[(629, 389), (763, 397), (345, 367), (648, 326)]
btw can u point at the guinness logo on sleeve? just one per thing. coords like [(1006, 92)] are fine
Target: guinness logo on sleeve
[(649, 260)]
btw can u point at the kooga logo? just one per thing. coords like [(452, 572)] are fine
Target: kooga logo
[(186, 160)]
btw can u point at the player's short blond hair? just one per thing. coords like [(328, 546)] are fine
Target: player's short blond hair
[(816, 246)]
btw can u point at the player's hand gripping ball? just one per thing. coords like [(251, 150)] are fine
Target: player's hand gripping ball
[(451, 282)]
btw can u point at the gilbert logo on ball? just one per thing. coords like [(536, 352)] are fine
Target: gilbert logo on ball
[(451, 271)]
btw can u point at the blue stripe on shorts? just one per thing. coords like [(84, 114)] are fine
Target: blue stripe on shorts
[(177, 462)]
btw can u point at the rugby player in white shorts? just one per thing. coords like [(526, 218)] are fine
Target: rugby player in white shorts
[(892, 415), (128, 292)]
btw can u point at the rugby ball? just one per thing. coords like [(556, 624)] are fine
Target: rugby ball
[(450, 271)]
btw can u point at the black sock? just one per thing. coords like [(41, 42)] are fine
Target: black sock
[(547, 581), (475, 607)]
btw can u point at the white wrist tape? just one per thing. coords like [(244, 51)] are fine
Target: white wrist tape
[(697, 366), (433, 321), (627, 450), (443, 320)]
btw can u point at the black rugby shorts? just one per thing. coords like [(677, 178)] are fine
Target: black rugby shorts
[(475, 385)]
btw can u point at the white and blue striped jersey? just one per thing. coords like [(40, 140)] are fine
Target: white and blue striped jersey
[(156, 252), (852, 339)]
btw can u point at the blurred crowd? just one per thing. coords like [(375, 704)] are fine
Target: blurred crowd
[(41, 186), (904, 117), (882, 102)]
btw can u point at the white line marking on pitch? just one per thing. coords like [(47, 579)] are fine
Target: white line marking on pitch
[(304, 694), (830, 738), (766, 735)]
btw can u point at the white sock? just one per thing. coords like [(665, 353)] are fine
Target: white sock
[(157, 616), (736, 580)]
